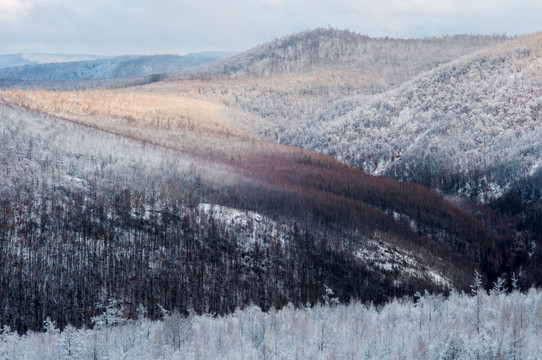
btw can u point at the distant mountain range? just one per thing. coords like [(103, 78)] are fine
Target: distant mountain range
[(74, 70)]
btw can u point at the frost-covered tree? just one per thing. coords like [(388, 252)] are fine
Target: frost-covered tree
[(348, 331)]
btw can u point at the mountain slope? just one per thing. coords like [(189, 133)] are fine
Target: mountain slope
[(471, 126), (281, 84), (162, 202)]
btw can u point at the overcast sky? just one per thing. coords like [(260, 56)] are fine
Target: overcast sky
[(117, 27)]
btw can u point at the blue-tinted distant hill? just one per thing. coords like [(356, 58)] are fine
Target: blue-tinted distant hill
[(82, 74)]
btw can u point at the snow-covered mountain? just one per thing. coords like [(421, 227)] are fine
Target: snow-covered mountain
[(182, 194), (471, 126)]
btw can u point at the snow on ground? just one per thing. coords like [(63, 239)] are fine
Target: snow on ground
[(77, 182), (248, 225), (438, 279), (535, 167), (231, 215), (251, 227), (384, 257)]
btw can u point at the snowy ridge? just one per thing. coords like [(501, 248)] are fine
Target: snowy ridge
[(332, 48)]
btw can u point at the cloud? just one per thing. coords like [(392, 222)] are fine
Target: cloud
[(273, 2), (180, 26), (11, 10), (406, 7)]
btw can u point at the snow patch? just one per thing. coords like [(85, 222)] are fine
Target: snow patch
[(535, 167), (232, 215), (76, 182), (382, 256), (438, 279), (249, 226)]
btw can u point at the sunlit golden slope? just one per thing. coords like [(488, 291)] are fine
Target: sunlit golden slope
[(195, 127), (156, 110)]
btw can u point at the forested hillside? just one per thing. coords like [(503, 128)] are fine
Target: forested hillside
[(111, 191), (471, 126)]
